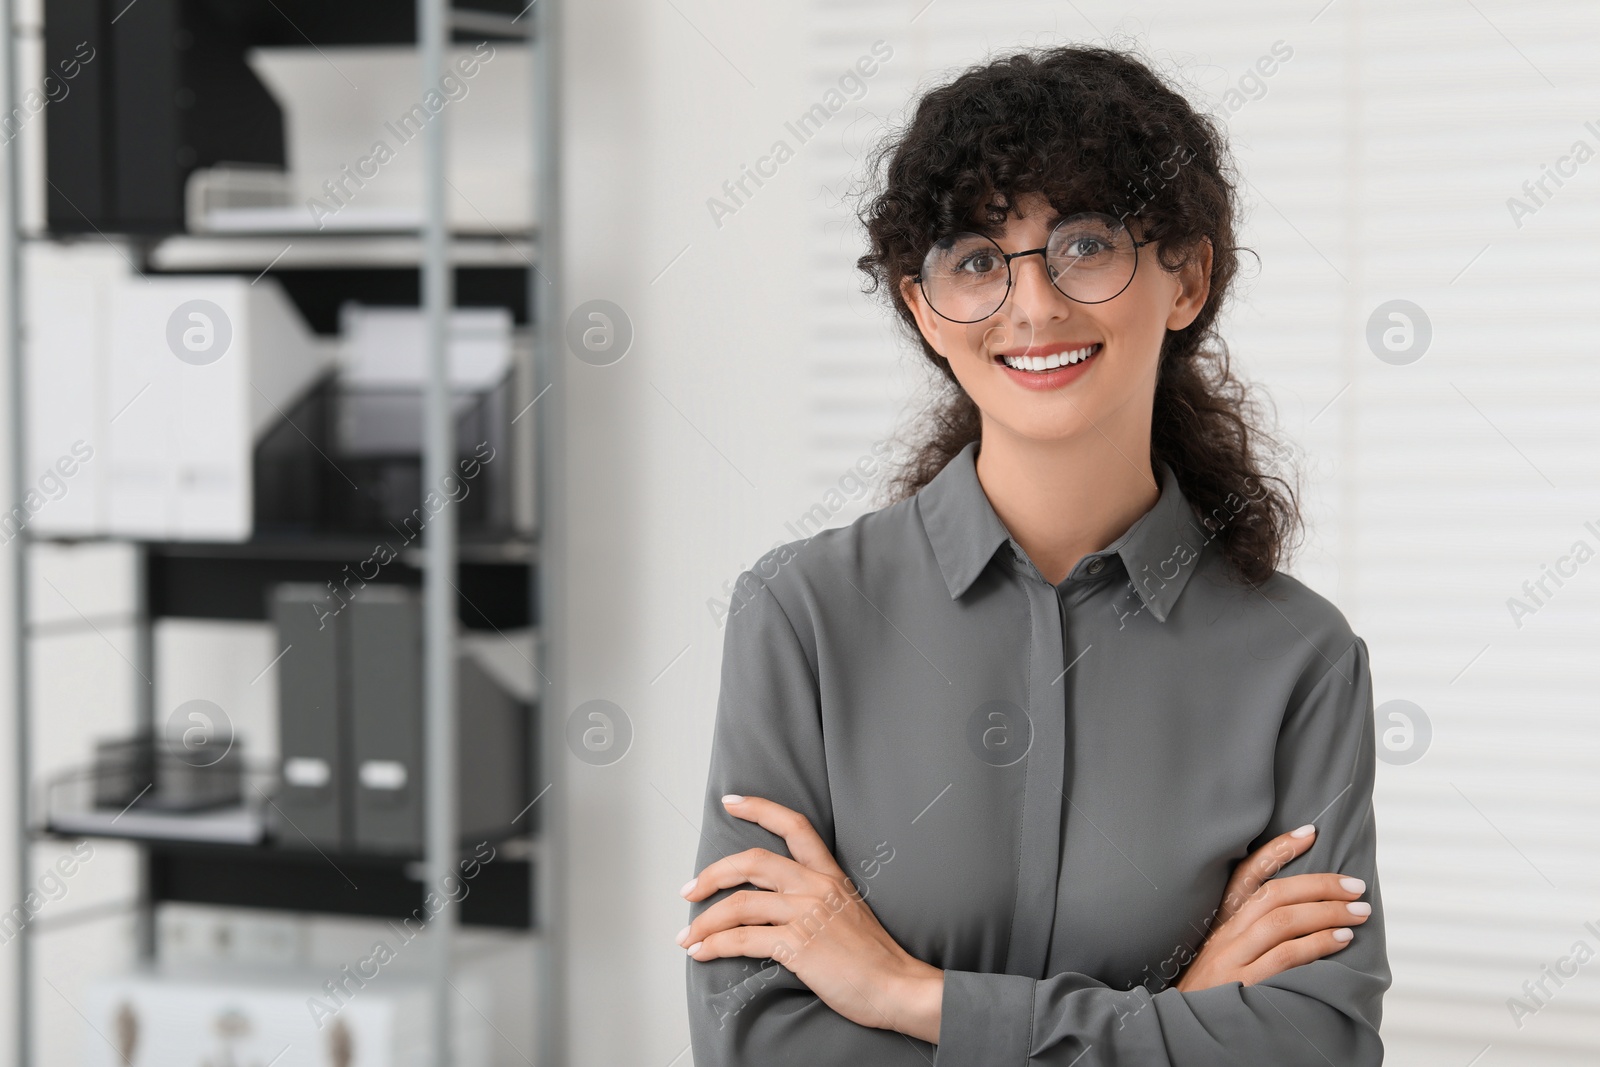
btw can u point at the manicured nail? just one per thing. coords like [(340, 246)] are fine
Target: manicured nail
[(1354, 885), (1359, 907), (686, 887), (1304, 831), (692, 949), (732, 798), (681, 935), (1344, 933)]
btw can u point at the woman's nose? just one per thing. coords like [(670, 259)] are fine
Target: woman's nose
[(1032, 290)]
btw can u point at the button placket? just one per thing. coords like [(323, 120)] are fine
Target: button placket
[(1039, 832)]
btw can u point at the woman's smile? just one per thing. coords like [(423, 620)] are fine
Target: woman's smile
[(1049, 366)]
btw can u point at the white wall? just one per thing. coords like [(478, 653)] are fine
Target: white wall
[(683, 457)]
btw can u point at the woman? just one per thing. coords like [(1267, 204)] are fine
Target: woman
[(1046, 762)]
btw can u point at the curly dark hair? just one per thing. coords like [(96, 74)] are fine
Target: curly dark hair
[(1092, 128)]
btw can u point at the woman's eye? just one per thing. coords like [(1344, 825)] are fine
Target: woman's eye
[(978, 264)]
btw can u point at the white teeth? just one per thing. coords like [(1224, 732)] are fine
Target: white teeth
[(1050, 362)]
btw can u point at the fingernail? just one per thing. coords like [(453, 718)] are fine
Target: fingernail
[(681, 935), (686, 887), (1354, 885), (732, 798), (1344, 933), (1359, 907), (692, 949), (1304, 831)]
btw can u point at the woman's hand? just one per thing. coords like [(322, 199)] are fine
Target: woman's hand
[(1267, 925), (814, 922)]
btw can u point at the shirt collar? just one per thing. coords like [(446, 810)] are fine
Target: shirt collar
[(1158, 552)]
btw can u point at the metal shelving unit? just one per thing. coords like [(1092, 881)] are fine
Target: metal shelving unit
[(450, 571)]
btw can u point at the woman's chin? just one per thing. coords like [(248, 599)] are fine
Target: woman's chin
[(1059, 424)]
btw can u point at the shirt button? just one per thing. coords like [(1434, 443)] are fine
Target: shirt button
[(1097, 565)]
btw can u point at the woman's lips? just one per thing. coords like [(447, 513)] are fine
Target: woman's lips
[(1042, 354), (1054, 378)]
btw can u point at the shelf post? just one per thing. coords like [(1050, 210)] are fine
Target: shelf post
[(439, 536), (17, 547), (545, 303)]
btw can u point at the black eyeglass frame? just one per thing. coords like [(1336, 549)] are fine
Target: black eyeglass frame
[(1040, 251)]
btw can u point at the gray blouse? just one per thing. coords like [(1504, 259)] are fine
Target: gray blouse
[(1043, 789)]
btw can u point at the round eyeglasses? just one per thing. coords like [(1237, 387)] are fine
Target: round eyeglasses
[(1090, 258)]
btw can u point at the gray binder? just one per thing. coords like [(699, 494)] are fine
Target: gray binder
[(386, 717), (312, 805), (387, 728), (491, 756)]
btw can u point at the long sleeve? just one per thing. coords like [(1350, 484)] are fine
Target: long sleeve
[(768, 742), (1321, 1013)]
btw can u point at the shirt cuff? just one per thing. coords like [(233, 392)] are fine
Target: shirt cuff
[(986, 1020)]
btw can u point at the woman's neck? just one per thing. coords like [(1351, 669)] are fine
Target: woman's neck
[(1062, 500)]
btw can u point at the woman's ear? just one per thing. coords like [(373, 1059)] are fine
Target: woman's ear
[(911, 293), (1194, 285)]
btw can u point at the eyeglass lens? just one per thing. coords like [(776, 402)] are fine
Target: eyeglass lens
[(1089, 257)]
